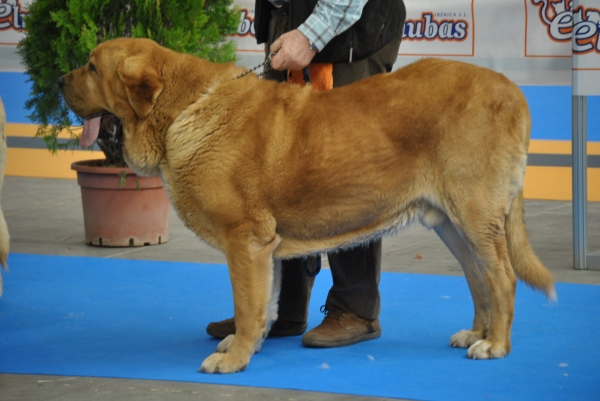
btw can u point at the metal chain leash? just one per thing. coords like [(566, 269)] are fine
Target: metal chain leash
[(266, 65)]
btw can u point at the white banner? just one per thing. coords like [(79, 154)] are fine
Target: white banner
[(510, 36), (439, 28), (548, 28), (11, 21), (586, 47), (531, 41), (11, 32), (245, 39)]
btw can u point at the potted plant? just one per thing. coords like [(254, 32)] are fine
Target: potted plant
[(60, 34)]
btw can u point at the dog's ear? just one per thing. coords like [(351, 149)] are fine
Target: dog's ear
[(142, 84)]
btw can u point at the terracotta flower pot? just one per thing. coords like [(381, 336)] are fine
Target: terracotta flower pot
[(121, 209)]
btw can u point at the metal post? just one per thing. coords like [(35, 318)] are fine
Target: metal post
[(579, 182)]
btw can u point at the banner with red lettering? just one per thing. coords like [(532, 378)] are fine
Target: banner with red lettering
[(11, 21), (11, 31), (531, 41), (586, 47)]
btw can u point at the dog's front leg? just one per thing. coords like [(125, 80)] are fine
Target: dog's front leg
[(274, 302), (271, 311), (252, 279)]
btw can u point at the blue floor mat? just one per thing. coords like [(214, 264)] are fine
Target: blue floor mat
[(146, 320)]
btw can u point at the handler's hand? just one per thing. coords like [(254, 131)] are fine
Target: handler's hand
[(293, 52)]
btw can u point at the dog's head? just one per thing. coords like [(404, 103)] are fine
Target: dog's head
[(121, 77), (117, 79), (146, 86)]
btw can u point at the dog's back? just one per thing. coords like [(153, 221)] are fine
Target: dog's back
[(4, 238)]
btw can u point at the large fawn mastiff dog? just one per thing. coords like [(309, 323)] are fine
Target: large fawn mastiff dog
[(267, 171)]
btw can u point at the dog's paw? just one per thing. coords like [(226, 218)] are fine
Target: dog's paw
[(225, 344), (484, 349), (465, 338), (223, 363)]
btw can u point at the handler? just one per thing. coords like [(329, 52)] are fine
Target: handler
[(343, 41)]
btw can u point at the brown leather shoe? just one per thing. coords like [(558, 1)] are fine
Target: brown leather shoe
[(340, 328), (280, 328)]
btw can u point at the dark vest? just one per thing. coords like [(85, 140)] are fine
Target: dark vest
[(380, 22)]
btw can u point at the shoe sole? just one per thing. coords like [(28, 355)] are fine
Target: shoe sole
[(292, 332), (216, 334), (315, 343)]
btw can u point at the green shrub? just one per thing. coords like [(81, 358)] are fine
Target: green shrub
[(61, 33)]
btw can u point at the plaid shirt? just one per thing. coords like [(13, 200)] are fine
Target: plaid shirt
[(329, 19)]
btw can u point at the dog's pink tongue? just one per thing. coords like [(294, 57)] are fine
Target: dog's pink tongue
[(91, 128)]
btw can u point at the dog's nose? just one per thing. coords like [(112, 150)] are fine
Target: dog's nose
[(61, 82)]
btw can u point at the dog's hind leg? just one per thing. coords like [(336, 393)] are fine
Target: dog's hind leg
[(251, 272), (461, 251), (481, 224)]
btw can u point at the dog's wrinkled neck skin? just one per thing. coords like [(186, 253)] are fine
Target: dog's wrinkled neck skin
[(145, 150)]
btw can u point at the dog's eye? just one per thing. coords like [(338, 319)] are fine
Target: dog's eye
[(91, 67)]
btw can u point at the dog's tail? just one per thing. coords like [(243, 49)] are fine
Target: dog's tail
[(526, 264), (4, 238)]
